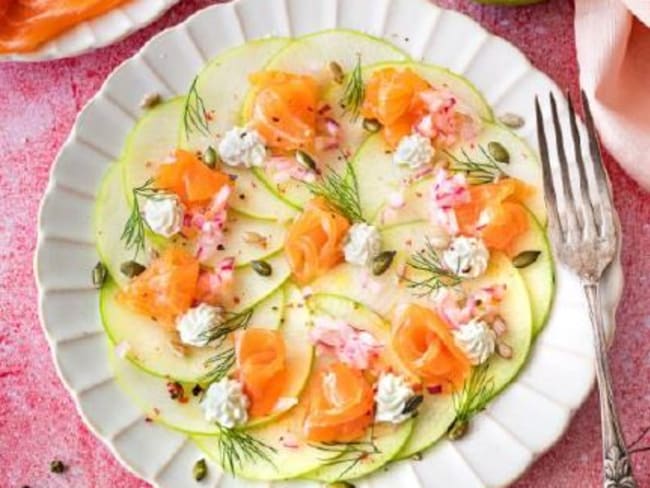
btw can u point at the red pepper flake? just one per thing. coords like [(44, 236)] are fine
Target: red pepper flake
[(175, 390), (237, 300), (434, 389)]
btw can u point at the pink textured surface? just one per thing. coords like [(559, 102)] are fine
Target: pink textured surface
[(38, 422)]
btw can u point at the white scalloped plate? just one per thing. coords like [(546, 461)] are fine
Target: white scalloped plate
[(98, 32), (523, 422)]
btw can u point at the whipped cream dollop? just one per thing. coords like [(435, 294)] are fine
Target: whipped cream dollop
[(242, 146), (193, 326), (414, 151), (164, 214), (226, 403), (477, 340), (362, 244), (466, 256), (392, 394)]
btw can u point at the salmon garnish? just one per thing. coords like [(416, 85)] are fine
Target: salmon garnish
[(27, 24), (261, 363), (314, 242), (340, 404), (426, 346), (284, 109)]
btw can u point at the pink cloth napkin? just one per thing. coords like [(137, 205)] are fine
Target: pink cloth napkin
[(613, 44)]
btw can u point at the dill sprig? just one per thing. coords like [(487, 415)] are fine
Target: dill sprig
[(236, 447), (222, 362), (351, 453), (220, 365), (194, 112), (355, 91), (230, 323), (478, 172), (341, 191), (477, 391), (134, 230), (436, 274)]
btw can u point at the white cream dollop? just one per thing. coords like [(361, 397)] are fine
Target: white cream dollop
[(477, 340), (241, 146), (414, 151), (164, 215), (362, 244), (466, 256), (392, 394), (226, 403), (194, 325)]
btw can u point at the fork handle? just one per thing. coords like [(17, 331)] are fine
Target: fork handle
[(616, 459)]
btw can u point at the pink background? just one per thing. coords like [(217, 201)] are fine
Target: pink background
[(38, 421)]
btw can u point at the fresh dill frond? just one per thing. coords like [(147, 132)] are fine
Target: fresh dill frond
[(355, 91), (351, 453), (435, 275), (194, 113), (477, 391), (133, 233), (478, 172), (341, 191), (237, 446), (230, 323), (220, 365)]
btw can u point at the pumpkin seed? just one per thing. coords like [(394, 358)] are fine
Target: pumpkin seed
[(339, 484), (412, 404), (382, 262), (131, 269), (200, 470), (99, 275), (210, 157), (417, 456), (498, 152), (371, 125), (337, 72), (458, 430), (306, 160), (525, 259), (262, 268), (512, 121)]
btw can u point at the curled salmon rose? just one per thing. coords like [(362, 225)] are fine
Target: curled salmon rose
[(314, 242), (166, 289), (426, 346), (27, 24), (494, 213), (261, 365), (340, 404), (284, 109)]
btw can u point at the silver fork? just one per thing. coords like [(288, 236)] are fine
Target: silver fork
[(584, 229)]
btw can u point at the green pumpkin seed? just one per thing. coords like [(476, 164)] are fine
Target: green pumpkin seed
[(131, 269), (513, 121), (306, 160), (458, 430), (57, 466), (498, 152), (417, 456), (525, 259), (210, 157), (99, 275), (382, 262), (371, 125), (412, 404), (200, 470), (337, 72), (262, 268)]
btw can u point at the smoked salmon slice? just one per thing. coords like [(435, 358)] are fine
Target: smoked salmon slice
[(261, 364), (425, 344), (314, 242), (340, 404), (27, 24)]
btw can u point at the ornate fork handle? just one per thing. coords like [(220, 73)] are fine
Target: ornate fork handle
[(616, 460)]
